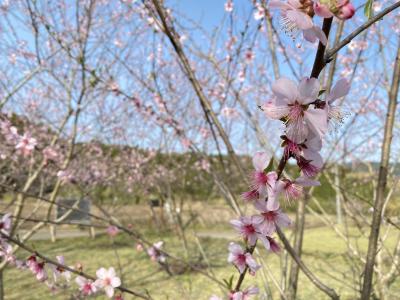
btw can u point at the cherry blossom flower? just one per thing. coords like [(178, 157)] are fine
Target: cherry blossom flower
[(377, 6), (269, 219), (155, 252), (228, 6), (293, 189), (297, 16), (65, 176), (26, 144), (37, 268), (245, 294), (249, 230), (112, 230), (86, 286), (273, 245), (249, 56), (6, 251), (107, 280), (5, 224), (259, 13), (259, 177), (310, 160), (250, 196), (242, 259), (50, 154), (118, 297), (60, 271), (346, 10), (10, 132), (292, 104)]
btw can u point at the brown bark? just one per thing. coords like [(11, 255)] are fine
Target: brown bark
[(382, 180)]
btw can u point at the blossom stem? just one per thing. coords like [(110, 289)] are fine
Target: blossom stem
[(319, 62), (243, 274)]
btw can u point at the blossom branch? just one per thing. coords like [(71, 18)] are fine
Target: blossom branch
[(327, 290), (331, 52), (319, 63), (64, 267)]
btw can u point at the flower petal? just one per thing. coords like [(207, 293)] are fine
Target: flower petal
[(101, 273), (115, 282), (317, 120), (302, 20), (261, 161), (314, 33), (285, 89), (308, 90), (235, 248), (341, 89), (322, 10)]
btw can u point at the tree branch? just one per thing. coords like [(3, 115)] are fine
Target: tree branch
[(331, 52)]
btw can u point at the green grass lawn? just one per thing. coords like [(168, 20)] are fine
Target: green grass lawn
[(324, 253)]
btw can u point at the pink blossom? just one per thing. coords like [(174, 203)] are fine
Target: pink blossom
[(5, 224), (262, 184), (273, 245), (250, 196), (65, 176), (6, 251), (322, 10), (139, 247), (119, 297), (50, 154), (10, 132), (245, 294), (248, 229), (259, 13), (342, 9), (346, 10), (292, 103), (26, 144), (155, 252), (112, 230), (37, 268), (294, 189), (229, 6), (242, 259), (59, 271), (310, 161), (269, 219), (249, 56), (107, 280), (296, 16), (86, 286)]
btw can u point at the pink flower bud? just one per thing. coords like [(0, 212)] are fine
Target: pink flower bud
[(346, 11)]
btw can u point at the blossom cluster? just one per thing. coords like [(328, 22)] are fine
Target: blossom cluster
[(22, 144), (297, 15), (306, 117), (57, 276)]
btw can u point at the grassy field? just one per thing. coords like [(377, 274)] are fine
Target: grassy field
[(324, 253)]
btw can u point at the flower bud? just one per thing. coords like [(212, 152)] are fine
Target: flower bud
[(346, 11), (342, 9)]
